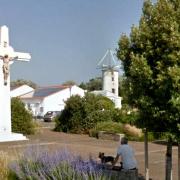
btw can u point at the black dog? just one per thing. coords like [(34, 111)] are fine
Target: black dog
[(105, 159)]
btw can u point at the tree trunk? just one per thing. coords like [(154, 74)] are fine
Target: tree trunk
[(169, 160), (179, 161), (146, 154)]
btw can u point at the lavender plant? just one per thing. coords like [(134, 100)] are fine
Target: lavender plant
[(40, 164)]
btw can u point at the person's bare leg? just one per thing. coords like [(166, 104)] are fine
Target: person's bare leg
[(5, 77)]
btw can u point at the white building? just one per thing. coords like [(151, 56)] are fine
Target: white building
[(17, 91), (51, 98), (110, 74)]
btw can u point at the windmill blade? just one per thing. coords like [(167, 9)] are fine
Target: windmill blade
[(102, 59), (108, 61)]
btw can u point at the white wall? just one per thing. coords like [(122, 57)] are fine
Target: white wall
[(77, 90), (53, 102), (110, 81), (34, 106), (21, 90), (56, 101)]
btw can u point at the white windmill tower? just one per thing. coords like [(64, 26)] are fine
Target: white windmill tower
[(110, 75)]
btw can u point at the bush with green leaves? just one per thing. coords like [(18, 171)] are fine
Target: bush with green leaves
[(125, 115), (108, 126), (82, 113), (22, 120)]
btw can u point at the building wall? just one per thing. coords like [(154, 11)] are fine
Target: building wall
[(34, 105), (56, 102), (110, 81), (76, 90), (21, 90), (53, 102)]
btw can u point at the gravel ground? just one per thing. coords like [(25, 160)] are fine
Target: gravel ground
[(85, 146)]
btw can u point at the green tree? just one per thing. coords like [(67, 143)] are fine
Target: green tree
[(151, 60), (69, 83), (124, 90), (93, 84), (22, 121), (20, 82)]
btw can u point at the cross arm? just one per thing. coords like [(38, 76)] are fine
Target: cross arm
[(13, 54), (19, 56)]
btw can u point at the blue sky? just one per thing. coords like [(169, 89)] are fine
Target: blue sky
[(66, 38)]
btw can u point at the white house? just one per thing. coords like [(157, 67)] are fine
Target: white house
[(51, 98), (17, 91)]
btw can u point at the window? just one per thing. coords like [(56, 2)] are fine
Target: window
[(41, 109), (36, 104), (112, 78), (29, 106), (113, 90)]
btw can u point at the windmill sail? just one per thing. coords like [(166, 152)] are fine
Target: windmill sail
[(108, 61)]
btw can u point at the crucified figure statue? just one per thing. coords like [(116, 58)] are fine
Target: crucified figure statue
[(6, 59)]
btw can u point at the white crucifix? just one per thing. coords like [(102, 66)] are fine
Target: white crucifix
[(7, 57)]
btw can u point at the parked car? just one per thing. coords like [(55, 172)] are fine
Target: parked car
[(48, 117)]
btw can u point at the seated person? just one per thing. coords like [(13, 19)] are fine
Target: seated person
[(127, 156)]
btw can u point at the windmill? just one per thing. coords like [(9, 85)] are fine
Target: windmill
[(110, 72)]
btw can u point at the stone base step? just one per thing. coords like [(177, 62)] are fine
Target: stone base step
[(6, 137)]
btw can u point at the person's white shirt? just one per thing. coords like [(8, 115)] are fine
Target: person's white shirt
[(127, 156)]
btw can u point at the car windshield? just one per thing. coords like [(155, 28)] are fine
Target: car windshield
[(49, 113)]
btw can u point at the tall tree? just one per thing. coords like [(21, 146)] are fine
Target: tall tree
[(151, 59), (20, 82), (93, 84), (124, 90), (69, 83)]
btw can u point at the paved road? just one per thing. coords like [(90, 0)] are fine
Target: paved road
[(85, 146)]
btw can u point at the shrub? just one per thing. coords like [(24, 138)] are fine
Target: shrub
[(108, 126), (96, 116), (117, 115), (132, 130), (82, 113), (22, 120), (152, 136), (4, 165)]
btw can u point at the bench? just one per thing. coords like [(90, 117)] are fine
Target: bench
[(109, 136), (117, 174)]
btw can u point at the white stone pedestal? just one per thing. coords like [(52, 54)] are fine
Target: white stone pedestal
[(5, 137)]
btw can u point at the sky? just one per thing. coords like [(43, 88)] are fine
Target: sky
[(66, 38)]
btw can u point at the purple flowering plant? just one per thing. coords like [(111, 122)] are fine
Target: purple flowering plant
[(41, 164)]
